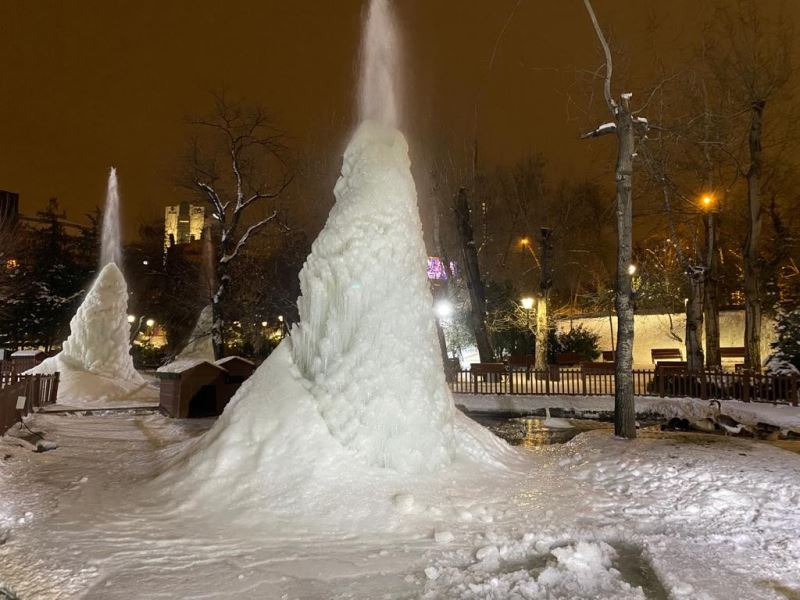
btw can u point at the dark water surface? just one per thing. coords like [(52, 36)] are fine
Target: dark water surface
[(530, 432)]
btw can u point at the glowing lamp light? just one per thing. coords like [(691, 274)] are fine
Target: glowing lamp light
[(145, 262), (631, 269), (707, 201), (527, 302), (280, 318), (443, 309), (524, 241), (131, 318), (263, 323), (150, 322)]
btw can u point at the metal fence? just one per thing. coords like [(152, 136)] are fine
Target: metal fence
[(661, 381), (38, 391)]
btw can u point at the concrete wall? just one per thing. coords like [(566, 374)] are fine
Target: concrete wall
[(653, 331)]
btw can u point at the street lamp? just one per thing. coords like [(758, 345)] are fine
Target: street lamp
[(131, 319), (631, 270), (707, 202), (150, 322), (527, 304), (444, 309)]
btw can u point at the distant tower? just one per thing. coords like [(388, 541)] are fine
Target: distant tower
[(183, 223)]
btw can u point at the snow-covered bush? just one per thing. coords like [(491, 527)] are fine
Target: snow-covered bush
[(785, 356)]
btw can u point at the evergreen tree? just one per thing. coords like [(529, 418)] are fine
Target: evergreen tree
[(46, 283), (785, 357)]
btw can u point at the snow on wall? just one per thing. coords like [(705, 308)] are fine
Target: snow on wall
[(653, 331)]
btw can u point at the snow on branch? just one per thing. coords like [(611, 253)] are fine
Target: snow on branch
[(243, 240), (604, 129)]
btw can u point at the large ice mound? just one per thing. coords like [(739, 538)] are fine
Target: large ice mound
[(95, 361), (355, 399), (366, 342)]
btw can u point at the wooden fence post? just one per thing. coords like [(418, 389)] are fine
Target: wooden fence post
[(659, 374), (745, 385), (703, 385), (474, 382)]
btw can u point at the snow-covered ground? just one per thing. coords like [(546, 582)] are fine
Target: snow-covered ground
[(682, 516)]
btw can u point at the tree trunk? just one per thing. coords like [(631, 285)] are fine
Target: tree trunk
[(218, 324), (752, 275), (694, 319), (711, 304), (472, 275), (543, 300), (624, 408), (540, 354)]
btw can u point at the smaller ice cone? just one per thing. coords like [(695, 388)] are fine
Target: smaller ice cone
[(99, 332)]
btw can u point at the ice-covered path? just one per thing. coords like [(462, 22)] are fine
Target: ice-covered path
[(714, 517)]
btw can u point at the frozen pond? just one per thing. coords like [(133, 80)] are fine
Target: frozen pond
[(530, 431)]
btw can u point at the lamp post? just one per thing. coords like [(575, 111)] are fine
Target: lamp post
[(527, 305), (709, 204)]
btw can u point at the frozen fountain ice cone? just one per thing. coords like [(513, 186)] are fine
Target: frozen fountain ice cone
[(366, 341), (98, 342)]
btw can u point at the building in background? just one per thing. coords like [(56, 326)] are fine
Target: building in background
[(183, 223)]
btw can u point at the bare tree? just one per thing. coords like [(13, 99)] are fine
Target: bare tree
[(623, 126), (238, 166)]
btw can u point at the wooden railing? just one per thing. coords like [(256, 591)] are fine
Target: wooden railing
[(597, 379), (38, 390)]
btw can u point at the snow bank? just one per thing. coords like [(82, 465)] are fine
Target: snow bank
[(581, 570), (95, 362), (748, 413), (355, 400)]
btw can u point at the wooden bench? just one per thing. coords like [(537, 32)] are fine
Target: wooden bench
[(492, 373), (609, 356), (523, 362), (488, 368), (569, 359), (674, 365), (598, 368), (731, 352), (662, 354)]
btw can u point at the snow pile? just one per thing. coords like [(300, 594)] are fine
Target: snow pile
[(95, 363), (581, 570), (199, 344), (352, 400)]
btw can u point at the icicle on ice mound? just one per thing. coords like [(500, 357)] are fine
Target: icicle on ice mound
[(366, 341)]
